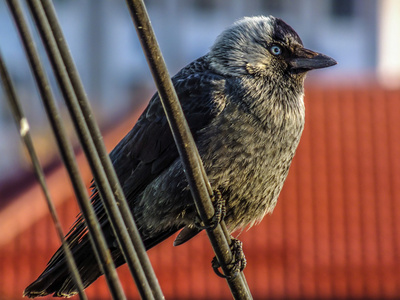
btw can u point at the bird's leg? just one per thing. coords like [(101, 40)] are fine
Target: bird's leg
[(237, 264), (219, 212)]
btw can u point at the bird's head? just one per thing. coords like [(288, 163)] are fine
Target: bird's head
[(264, 46)]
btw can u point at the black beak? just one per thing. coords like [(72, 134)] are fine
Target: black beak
[(305, 60)]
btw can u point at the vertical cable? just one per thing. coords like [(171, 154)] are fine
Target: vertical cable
[(23, 126), (97, 239), (191, 162), (90, 150), (103, 155)]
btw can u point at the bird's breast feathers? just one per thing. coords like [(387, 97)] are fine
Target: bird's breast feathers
[(244, 146)]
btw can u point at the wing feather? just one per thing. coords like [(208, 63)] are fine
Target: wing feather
[(149, 147)]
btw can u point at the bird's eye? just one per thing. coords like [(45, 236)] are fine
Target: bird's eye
[(275, 50)]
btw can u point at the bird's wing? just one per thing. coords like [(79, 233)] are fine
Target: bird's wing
[(149, 147)]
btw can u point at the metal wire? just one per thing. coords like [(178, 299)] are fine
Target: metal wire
[(200, 187), (192, 164), (103, 155), (76, 109), (23, 126), (96, 236)]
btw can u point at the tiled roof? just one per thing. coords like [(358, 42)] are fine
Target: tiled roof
[(334, 234)]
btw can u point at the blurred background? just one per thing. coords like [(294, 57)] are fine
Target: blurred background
[(335, 233)]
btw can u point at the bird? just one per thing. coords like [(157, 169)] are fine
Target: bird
[(244, 104)]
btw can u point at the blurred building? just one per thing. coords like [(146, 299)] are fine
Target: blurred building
[(109, 57), (335, 233)]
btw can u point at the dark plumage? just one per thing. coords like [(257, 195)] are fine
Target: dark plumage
[(244, 105)]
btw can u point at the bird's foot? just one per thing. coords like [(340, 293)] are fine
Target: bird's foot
[(237, 264), (219, 212)]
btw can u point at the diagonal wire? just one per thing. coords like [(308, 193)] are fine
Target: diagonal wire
[(98, 141), (47, 30), (198, 182), (23, 126), (96, 236)]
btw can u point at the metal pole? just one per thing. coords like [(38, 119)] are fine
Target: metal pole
[(97, 239), (103, 155), (23, 126), (194, 171)]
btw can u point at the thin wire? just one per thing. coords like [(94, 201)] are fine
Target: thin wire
[(90, 150), (98, 141), (97, 239), (23, 126), (187, 149)]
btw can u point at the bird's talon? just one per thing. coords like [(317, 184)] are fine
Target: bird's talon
[(239, 258), (215, 265), (237, 264), (219, 212)]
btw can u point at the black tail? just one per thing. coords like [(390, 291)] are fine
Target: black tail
[(56, 278)]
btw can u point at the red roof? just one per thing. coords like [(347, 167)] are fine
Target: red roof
[(335, 232)]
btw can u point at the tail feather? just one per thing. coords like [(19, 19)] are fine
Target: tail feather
[(56, 278)]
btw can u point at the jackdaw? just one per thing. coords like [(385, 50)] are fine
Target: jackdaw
[(243, 101)]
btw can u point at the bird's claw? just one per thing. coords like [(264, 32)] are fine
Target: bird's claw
[(219, 212), (237, 264)]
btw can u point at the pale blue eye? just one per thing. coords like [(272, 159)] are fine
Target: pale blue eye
[(275, 50)]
